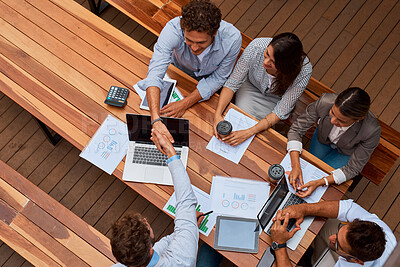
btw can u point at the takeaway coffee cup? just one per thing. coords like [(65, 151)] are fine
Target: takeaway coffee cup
[(275, 173), (224, 128)]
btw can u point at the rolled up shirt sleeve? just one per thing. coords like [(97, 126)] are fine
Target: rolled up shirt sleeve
[(294, 145)]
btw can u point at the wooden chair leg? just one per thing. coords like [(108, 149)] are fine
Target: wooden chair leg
[(99, 7)]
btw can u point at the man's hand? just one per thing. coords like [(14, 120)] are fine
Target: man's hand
[(162, 129), (200, 219), (309, 187), (296, 177), (237, 137), (217, 119), (174, 109), (279, 231), (163, 143), (296, 212)]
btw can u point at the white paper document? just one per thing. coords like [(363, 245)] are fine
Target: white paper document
[(108, 146), (238, 197), (239, 121), (203, 205), (310, 173)]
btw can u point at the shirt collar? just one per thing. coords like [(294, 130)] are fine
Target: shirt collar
[(154, 260)]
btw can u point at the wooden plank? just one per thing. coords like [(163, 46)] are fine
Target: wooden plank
[(45, 241), (387, 196), (116, 210), (27, 149), (10, 195), (80, 188), (297, 16), (28, 251), (376, 63), (238, 11), (20, 121), (64, 235), (271, 29), (265, 16), (49, 205), (7, 213), (62, 168), (9, 115), (70, 179), (91, 195), (356, 44), (104, 202), (248, 17), (14, 260)]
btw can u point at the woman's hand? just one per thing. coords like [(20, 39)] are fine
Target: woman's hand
[(309, 187), (237, 137), (217, 119), (296, 177)]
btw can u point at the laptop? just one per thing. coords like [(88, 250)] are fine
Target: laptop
[(280, 198), (144, 163)]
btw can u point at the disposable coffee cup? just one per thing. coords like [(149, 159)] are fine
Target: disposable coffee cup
[(276, 172), (224, 128)]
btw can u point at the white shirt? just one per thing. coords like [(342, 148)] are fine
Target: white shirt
[(348, 212), (337, 132), (204, 53)]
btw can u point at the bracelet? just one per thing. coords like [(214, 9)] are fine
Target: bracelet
[(158, 119), (326, 181)]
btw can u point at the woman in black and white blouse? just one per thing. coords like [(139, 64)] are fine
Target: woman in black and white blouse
[(268, 79)]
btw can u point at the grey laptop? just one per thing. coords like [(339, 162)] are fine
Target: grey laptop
[(144, 163)]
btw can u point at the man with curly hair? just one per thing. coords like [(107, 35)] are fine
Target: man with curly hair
[(363, 239), (132, 240), (200, 44)]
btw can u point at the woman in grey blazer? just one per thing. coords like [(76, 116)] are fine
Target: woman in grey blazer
[(345, 138)]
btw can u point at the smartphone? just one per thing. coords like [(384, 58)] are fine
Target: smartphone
[(267, 259)]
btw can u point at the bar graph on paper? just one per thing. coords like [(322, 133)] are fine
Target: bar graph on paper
[(204, 204)]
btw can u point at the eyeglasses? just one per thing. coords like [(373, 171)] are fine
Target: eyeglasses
[(339, 249)]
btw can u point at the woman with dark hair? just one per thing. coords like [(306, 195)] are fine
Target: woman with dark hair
[(269, 78), (345, 138)]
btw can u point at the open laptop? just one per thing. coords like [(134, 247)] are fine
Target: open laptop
[(144, 163), (280, 198)]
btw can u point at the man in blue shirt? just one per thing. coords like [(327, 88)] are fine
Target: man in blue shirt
[(132, 238), (200, 44)]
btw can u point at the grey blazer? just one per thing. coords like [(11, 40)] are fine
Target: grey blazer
[(359, 141)]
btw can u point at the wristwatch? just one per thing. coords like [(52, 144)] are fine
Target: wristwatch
[(276, 246)]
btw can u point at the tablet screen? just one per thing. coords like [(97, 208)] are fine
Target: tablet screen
[(165, 95), (244, 238)]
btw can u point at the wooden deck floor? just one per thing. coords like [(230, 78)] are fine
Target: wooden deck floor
[(350, 43)]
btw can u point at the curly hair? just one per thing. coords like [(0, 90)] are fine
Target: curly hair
[(353, 103), (130, 240), (201, 16), (289, 57), (366, 239)]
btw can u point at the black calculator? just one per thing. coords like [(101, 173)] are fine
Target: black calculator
[(117, 96)]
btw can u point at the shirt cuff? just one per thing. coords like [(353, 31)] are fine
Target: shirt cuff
[(339, 176), (174, 157), (294, 145)]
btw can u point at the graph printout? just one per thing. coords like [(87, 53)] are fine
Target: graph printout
[(310, 172), (203, 205), (108, 146), (238, 197), (239, 121)]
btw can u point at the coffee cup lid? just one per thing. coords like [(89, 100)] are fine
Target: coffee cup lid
[(276, 171), (224, 127)]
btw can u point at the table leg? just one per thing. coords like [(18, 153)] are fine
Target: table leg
[(54, 139), (98, 7)]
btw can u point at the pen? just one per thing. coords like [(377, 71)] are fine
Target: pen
[(205, 214)]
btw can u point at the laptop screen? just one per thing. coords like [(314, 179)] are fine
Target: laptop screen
[(278, 195), (139, 129)]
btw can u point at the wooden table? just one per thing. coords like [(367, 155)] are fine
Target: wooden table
[(58, 61)]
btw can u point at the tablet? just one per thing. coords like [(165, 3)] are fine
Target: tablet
[(236, 234), (165, 95)]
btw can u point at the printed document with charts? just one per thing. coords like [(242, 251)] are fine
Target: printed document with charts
[(239, 121), (108, 145), (310, 172)]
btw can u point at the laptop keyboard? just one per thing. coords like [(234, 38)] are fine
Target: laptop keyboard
[(150, 156), (292, 200)]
